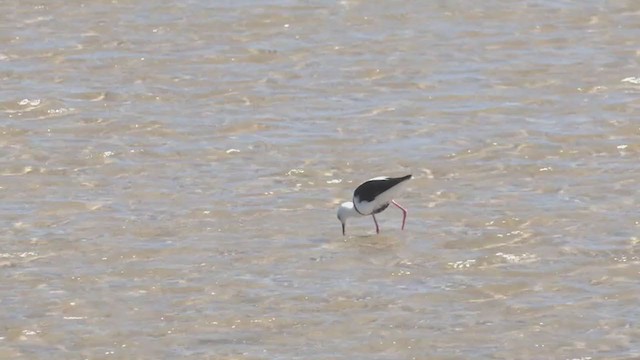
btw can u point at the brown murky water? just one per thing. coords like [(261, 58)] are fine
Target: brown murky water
[(170, 173)]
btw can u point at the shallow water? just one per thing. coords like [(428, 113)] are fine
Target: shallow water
[(170, 175)]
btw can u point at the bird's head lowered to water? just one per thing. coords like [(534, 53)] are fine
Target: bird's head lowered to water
[(345, 211)]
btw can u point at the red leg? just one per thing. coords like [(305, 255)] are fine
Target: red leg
[(404, 212), (376, 221)]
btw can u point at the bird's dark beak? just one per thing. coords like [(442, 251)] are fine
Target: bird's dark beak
[(343, 232)]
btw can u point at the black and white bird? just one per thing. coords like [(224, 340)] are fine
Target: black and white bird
[(373, 197)]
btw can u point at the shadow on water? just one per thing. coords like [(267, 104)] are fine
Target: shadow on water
[(390, 242)]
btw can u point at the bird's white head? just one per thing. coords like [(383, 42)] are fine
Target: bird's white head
[(345, 211)]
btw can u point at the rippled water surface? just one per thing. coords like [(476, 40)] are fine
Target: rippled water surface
[(170, 172)]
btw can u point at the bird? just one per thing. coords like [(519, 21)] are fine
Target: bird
[(373, 197)]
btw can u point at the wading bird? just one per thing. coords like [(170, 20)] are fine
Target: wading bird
[(373, 197)]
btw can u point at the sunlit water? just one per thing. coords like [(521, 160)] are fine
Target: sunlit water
[(170, 173)]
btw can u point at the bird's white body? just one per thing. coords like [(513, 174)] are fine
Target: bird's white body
[(368, 207)]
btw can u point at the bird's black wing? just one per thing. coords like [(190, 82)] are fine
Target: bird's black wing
[(369, 190)]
